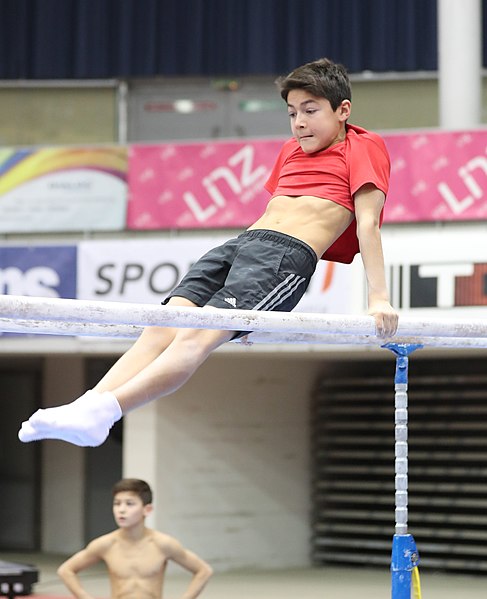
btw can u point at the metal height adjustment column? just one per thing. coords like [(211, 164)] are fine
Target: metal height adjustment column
[(404, 553)]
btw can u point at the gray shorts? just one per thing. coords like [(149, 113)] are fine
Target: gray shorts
[(258, 270)]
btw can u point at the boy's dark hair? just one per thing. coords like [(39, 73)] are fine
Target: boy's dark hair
[(322, 78), (134, 485)]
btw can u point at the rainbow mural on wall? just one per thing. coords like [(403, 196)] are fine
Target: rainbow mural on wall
[(53, 189)]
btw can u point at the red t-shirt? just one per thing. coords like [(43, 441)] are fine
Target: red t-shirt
[(335, 173)]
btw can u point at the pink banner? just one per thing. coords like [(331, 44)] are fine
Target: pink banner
[(199, 185), (436, 176)]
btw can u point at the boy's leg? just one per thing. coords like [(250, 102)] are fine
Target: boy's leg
[(87, 421), (151, 343), (167, 373)]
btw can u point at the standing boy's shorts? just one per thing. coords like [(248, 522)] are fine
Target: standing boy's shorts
[(258, 270)]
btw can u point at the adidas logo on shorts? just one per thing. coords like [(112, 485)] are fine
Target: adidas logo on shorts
[(231, 300)]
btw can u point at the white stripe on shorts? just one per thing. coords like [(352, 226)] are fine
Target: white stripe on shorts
[(280, 293)]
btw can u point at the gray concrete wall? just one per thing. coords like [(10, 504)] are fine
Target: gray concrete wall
[(231, 452)]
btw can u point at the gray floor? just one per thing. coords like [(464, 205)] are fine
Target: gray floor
[(326, 583)]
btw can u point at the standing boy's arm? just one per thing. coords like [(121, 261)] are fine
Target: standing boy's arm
[(369, 202), (69, 569), (190, 561)]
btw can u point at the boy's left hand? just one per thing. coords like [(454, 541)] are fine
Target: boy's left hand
[(386, 318)]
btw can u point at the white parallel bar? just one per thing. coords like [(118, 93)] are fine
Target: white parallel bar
[(74, 329), (127, 331), (102, 312), (370, 340)]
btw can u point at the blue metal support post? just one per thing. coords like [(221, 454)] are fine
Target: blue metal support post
[(405, 556)]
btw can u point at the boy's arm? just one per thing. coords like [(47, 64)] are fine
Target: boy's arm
[(369, 202), (190, 561), (69, 569)]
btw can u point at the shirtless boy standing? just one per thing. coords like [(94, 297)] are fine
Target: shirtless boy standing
[(136, 556), (328, 189)]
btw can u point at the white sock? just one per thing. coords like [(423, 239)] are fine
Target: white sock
[(84, 422)]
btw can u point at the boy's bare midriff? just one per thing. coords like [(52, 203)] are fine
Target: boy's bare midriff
[(135, 571), (136, 587), (315, 221)]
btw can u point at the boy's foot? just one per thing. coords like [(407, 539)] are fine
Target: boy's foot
[(84, 422)]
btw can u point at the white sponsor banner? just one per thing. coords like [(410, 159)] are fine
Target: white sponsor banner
[(74, 201), (437, 270), (145, 271), (63, 189)]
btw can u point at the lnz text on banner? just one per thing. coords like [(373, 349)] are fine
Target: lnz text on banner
[(145, 271), (63, 189), (198, 185), (435, 176)]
